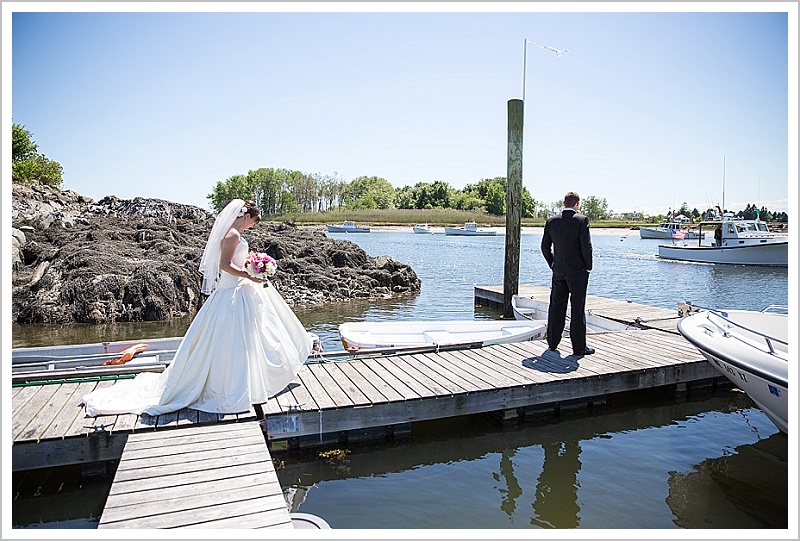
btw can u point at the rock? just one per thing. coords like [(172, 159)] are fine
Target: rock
[(116, 260)]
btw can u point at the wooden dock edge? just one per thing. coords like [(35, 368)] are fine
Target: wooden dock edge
[(292, 431)]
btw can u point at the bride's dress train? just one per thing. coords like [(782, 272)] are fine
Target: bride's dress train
[(244, 346)]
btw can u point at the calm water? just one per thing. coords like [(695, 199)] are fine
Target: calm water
[(701, 461)]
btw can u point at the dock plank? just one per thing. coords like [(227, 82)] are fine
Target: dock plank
[(386, 387), (367, 387), (453, 380), (202, 477), (402, 373), (320, 399), (340, 398), (69, 413), (356, 395), (458, 362), (28, 427)]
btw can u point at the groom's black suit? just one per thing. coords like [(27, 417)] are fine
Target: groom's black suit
[(567, 247)]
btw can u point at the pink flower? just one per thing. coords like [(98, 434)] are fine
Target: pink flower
[(260, 265)]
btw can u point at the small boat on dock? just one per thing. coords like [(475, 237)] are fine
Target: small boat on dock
[(750, 348), (470, 229), (371, 335), (101, 359), (739, 242), (532, 309), (347, 226), (92, 360)]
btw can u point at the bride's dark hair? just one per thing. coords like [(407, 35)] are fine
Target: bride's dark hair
[(252, 210)]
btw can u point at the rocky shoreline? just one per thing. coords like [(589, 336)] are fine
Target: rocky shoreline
[(76, 260)]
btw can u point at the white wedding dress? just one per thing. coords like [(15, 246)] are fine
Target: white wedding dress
[(244, 346)]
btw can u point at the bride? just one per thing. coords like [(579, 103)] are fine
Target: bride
[(244, 345)]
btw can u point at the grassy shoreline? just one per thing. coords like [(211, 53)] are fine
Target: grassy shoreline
[(433, 217), (401, 218)]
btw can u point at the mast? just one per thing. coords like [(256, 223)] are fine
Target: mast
[(723, 188)]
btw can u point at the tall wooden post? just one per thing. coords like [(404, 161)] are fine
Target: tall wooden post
[(513, 205)]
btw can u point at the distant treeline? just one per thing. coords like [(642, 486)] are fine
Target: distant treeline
[(750, 212), (281, 192)]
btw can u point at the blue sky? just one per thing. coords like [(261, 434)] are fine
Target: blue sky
[(642, 110)]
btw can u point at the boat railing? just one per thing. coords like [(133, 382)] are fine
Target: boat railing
[(769, 340)]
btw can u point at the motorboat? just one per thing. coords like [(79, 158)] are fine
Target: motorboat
[(669, 230), (469, 229), (740, 242), (347, 226), (751, 349), (370, 335), (422, 228), (532, 309)]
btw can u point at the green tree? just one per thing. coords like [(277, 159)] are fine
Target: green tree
[(267, 185), (595, 208), (329, 190), (404, 197), (234, 187), (364, 192), (463, 200), (493, 192), (28, 166)]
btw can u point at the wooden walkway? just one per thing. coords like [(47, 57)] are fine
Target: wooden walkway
[(218, 476), (338, 401)]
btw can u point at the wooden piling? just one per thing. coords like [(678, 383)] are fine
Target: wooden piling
[(513, 205)]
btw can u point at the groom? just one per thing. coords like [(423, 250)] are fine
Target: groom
[(567, 247)]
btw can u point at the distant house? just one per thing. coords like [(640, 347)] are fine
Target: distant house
[(680, 218)]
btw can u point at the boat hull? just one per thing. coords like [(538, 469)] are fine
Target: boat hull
[(340, 229), (422, 229), (412, 334), (653, 233), (744, 358), (532, 309), (770, 254), (467, 233)]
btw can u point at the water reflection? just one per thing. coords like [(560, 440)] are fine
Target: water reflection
[(538, 472), (556, 503), (745, 488)]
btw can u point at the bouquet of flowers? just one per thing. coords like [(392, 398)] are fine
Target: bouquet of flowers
[(260, 265)]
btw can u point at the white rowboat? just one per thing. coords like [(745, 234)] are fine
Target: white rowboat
[(532, 309), (411, 334)]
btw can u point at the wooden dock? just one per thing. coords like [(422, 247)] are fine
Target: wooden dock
[(639, 316), (213, 476), (360, 397)]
